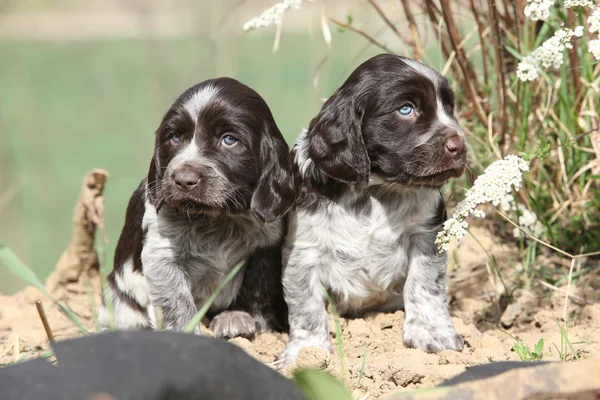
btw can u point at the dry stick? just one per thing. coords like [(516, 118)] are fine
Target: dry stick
[(518, 6), (464, 64), (389, 23), (361, 33), (555, 288), (42, 314), (501, 83), (418, 47), (575, 64), (431, 10), (481, 28), (568, 288)]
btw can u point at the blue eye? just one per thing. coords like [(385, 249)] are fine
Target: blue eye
[(406, 110), (228, 140), (175, 139)]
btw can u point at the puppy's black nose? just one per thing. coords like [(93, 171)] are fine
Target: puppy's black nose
[(455, 146), (185, 178)]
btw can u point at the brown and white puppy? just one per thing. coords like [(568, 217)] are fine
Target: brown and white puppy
[(219, 183), (368, 173)]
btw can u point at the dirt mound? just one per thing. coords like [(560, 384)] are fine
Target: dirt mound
[(375, 362)]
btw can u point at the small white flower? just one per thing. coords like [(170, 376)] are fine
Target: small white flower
[(507, 203), (594, 20), (538, 9), (578, 3), (491, 187), (594, 48), (272, 15), (527, 70), (548, 55)]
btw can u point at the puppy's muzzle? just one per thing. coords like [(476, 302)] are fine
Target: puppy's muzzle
[(185, 177), (455, 147)]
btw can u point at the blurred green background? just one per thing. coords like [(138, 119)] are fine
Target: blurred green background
[(81, 89)]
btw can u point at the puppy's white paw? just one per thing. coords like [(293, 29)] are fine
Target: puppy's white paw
[(432, 339), (230, 324), (290, 354)]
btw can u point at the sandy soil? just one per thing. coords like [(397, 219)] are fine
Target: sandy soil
[(375, 361)]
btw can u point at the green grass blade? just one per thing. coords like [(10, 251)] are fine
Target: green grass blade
[(362, 366), (317, 385), (564, 336), (338, 331), (19, 269), (206, 306)]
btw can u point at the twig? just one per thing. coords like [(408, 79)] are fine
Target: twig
[(501, 83), (573, 51), (414, 31), (361, 33), (564, 253), (42, 314), (484, 53), (552, 287), (465, 66), (389, 23), (568, 288)]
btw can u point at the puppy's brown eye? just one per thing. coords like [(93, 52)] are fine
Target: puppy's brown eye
[(228, 140), (175, 139)]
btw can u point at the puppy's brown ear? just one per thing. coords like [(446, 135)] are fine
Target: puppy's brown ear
[(153, 182), (335, 141), (274, 194)]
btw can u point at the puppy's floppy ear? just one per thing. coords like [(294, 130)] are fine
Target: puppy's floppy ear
[(153, 182), (335, 142), (274, 194)]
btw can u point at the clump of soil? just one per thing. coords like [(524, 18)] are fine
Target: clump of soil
[(375, 360)]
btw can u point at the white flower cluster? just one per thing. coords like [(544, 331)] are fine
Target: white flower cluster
[(594, 21), (538, 9), (526, 219), (578, 3), (594, 48), (490, 187), (272, 15), (549, 54)]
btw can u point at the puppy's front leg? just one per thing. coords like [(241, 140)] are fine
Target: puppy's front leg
[(169, 288), (427, 325), (309, 323), (259, 305)]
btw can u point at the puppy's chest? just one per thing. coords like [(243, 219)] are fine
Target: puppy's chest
[(205, 247), (363, 246)]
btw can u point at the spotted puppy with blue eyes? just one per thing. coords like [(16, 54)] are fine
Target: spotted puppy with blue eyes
[(219, 183), (368, 173)]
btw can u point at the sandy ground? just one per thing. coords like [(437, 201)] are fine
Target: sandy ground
[(375, 360)]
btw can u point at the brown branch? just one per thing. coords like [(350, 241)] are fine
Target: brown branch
[(463, 62), (519, 17), (432, 10), (389, 23), (414, 31), (572, 18), (361, 33), (500, 78), (484, 51), (42, 313)]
